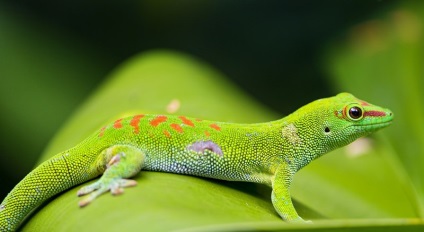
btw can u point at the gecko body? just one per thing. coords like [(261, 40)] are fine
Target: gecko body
[(268, 153)]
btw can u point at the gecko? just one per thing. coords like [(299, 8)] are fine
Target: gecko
[(268, 153)]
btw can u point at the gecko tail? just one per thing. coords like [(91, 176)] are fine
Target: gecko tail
[(48, 179)]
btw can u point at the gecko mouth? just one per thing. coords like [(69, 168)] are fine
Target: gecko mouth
[(373, 125), (377, 125)]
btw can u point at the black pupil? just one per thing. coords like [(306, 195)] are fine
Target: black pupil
[(355, 112)]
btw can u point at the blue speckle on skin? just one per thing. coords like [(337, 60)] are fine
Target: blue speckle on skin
[(201, 146)]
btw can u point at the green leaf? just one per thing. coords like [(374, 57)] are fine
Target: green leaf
[(339, 185)]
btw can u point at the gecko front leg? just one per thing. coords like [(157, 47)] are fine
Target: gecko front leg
[(280, 195), (125, 161)]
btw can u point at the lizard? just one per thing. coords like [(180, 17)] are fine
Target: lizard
[(268, 153)]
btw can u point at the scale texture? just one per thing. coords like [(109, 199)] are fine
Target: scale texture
[(269, 153)]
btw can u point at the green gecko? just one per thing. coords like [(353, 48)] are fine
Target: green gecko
[(268, 153)]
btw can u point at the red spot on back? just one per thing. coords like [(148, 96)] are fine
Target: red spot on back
[(102, 131), (118, 124), (215, 126), (177, 127), (158, 120), (135, 121), (207, 133), (186, 121), (167, 134), (374, 113)]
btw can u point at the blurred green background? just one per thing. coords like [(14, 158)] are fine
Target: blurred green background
[(283, 53)]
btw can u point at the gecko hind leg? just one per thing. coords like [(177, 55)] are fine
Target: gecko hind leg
[(125, 161)]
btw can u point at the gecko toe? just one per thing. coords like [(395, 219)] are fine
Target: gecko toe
[(127, 183), (88, 189), (117, 191), (83, 202), (116, 187)]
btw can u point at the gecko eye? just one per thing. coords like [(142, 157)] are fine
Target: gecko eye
[(355, 113)]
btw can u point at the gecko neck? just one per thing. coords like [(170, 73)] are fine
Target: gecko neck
[(297, 147)]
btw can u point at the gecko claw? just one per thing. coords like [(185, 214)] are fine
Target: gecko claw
[(83, 203)]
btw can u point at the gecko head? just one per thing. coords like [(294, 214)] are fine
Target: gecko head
[(353, 118), (339, 120)]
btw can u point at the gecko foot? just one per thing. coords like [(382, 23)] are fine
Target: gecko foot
[(116, 187), (125, 161)]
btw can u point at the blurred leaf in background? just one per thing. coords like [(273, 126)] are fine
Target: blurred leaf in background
[(45, 72), (279, 52), (383, 59)]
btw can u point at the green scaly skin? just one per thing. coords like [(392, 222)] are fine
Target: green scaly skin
[(269, 153)]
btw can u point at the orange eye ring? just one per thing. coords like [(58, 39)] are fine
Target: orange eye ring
[(355, 113)]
